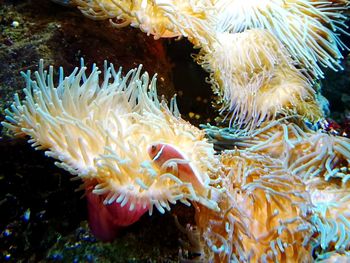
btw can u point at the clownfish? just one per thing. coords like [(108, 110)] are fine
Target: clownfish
[(161, 153)]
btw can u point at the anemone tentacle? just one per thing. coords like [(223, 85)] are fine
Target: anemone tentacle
[(309, 29), (101, 133)]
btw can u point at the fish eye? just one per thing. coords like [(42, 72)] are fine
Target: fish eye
[(153, 147)]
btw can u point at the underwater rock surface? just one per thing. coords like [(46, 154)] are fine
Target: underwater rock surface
[(40, 29)]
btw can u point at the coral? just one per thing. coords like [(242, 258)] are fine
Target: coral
[(309, 29), (256, 80), (101, 134), (158, 18)]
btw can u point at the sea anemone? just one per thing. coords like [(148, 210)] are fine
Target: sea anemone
[(331, 216), (264, 213), (333, 257), (309, 29), (305, 152), (185, 18), (256, 80), (316, 164), (102, 132)]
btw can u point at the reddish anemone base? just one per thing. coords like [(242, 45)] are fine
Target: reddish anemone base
[(105, 220)]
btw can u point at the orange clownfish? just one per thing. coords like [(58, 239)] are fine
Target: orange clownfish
[(161, 153)]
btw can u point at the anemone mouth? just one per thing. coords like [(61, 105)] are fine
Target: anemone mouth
[(100, 131)]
